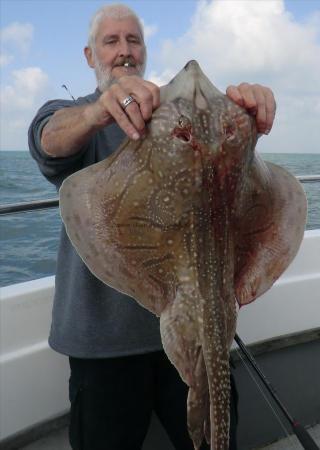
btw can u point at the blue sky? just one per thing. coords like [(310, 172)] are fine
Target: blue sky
[(60, 32), (273, 42)]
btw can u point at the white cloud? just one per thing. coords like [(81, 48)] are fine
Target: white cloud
[(163, 78), (28, 84), (19, 101), (18, 35), (149, 30), (5, 59), (246, 37), (244, 40)]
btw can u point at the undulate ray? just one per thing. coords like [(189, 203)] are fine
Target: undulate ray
[(186, 221)]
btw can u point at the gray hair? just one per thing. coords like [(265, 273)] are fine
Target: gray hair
[(115, 11)]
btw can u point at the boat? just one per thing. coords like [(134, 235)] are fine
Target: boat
[(281, 329)]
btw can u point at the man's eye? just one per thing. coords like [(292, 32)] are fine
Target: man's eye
[(134, 41)]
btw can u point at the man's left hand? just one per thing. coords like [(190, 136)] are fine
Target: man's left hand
[(258, 100)]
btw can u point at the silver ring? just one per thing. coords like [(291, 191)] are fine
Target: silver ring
[(126, 102)]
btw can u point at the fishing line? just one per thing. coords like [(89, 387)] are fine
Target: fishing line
[(280, 421)]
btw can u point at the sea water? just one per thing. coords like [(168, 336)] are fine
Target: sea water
[(29, 240)]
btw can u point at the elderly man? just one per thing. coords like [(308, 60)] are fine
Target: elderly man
[(119, 372)]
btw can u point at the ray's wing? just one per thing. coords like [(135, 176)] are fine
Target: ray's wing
[(271, 218), (123, 224)]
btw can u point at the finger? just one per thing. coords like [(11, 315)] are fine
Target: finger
[(144, 92), (144, 97), (134, 114), (132, 111), (248, 95), (120, 117), (261, 115), (155, 91), (266, 108), (234, 94), (270, 109), (145, 105)]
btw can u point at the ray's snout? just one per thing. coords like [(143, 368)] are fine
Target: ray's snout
[(191, 84), (192, 64)]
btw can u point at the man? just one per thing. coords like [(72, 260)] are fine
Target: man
[(119, 372)]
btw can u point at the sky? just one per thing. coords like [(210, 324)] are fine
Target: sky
[(272, 42)]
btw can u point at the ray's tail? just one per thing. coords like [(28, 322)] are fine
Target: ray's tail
[(209, 400), (218, 373)]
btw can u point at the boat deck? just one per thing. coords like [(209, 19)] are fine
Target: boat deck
[(59, 440), (53, 441), (292, 442)]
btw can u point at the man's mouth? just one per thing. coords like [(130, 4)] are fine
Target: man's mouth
[(126, 64)]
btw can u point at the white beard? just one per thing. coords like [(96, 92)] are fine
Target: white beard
[(104, 77)]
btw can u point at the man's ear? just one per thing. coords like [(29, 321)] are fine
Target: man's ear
[(89, 56)]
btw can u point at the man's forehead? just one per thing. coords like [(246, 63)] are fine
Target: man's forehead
[(110, 26)]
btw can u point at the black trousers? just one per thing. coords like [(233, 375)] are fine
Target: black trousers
[(112, 401)]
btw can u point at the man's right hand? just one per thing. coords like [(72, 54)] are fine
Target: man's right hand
[(132, 119)]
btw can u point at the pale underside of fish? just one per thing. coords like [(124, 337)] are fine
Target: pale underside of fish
[(188, 221)]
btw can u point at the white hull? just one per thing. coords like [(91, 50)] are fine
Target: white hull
[(33, 381)]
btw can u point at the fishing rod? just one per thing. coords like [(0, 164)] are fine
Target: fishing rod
[(66, 88), (303, 436)]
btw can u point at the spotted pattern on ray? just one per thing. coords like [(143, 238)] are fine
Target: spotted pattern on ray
[(188, 221)]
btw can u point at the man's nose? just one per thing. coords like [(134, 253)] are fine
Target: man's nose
[(124, 48)]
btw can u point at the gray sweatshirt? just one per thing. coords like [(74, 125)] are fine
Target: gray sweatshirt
[(89, 318)]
